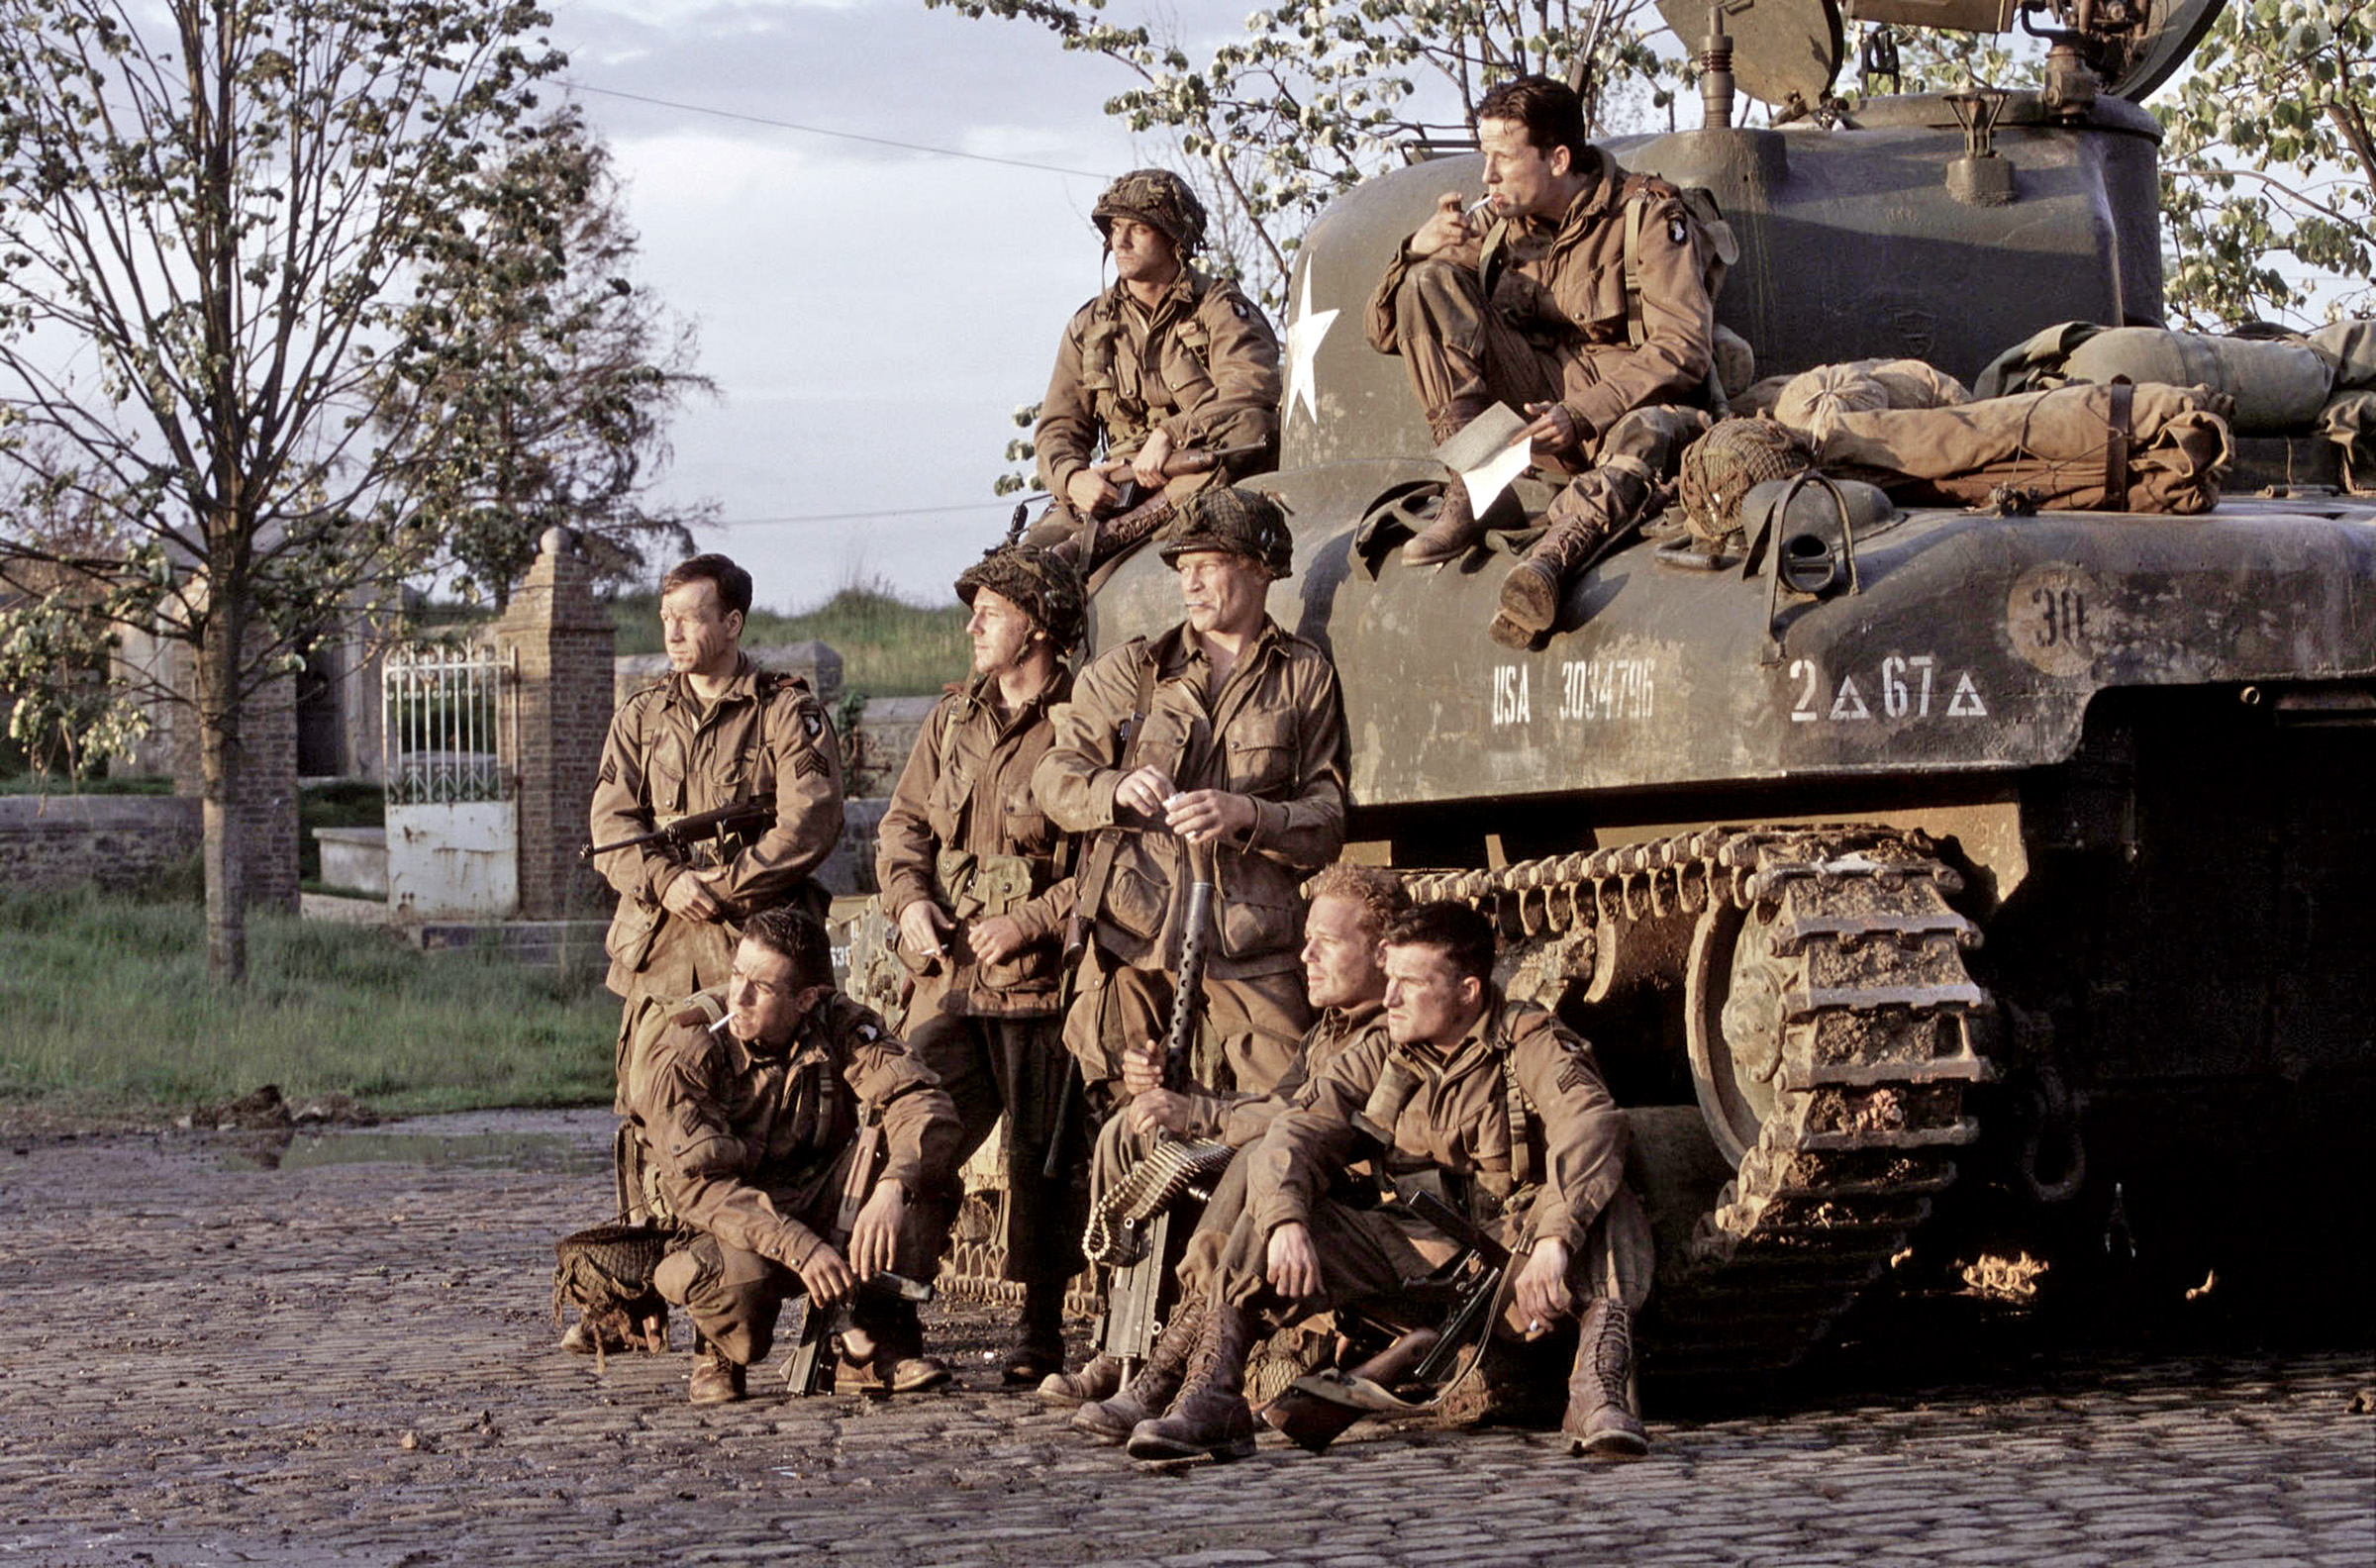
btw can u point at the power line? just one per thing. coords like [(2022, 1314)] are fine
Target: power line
[(867, 516), (845, 135)]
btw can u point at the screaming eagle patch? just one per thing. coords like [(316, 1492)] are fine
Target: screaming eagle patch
[(1675, 230)]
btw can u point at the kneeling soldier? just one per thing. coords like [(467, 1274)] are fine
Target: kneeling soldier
[(753, 1123), (1495, 1103)]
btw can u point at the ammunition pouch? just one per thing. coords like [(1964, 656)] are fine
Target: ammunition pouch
[(975, 887)]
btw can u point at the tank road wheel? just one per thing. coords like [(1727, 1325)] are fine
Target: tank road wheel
[(1732, 1024)]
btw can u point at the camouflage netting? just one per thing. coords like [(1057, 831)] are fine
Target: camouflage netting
[(1043, 585), (1725, 465), (1157, 198), (1237, 520), (606, 1273)]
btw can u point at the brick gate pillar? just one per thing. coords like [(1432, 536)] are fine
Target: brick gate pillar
[(559, 709)]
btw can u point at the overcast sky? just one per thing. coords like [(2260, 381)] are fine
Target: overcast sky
[(872, 314)]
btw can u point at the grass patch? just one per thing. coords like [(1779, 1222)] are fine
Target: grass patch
[(889, 647), (110, 1007), (59, 784)]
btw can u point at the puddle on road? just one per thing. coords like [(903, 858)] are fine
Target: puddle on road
[(549, 1153)]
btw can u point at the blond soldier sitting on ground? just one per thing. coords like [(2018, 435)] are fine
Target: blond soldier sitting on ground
[(753, 1123), (1540, 310), (1344, 977), (1493, 1101), (976, 879), (1156, 377), (1226, 730), (715, 731)]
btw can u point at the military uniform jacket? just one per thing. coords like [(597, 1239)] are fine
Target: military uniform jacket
[(967, 787), (1275, 731), (746, 1138), (1564, 288), (1202, 365), (668, 753), (1459, 1121), (1241, 1121)]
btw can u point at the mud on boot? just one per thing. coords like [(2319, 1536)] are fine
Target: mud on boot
[(1100, 1377), (1600, 1421), (1147, 1395), (1211, 1416), (717, 1380)]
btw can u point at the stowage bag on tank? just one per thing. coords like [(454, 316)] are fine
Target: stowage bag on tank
[(2279, 384), (2055, 446)]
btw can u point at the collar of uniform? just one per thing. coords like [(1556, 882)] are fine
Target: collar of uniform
[(742, 688), (982, 692), (1181, 649), (1604, 181), (1485, 1038), (1182, 291), (1341, 1022)]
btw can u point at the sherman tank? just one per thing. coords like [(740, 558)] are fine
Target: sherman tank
[(1947, 890)]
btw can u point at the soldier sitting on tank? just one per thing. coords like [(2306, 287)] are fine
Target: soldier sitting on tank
[(755, 1122), (1165, 384), (1493, 1102), (1585, 303), (1225, 730), (1344, 978)]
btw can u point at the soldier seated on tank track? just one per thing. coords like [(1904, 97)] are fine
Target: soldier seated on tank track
[(806, 1151), (1463, 1092), (1586, 301)]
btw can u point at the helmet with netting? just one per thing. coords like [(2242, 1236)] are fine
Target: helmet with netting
[(1043, 585), (1234, 519), (1157, 198), (1722, 466)]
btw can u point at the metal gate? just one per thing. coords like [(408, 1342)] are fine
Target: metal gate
[(449, 734)]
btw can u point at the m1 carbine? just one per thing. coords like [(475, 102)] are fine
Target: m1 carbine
[(1139, 514), (1316, 1410), (684, 832)]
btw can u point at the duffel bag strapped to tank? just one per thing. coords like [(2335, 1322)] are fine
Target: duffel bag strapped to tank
[(2279, 384), (1807, 402), (606, 1272), (2075, 449)]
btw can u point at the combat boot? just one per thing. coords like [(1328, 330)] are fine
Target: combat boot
[(716, 1380), (1211, 1416), (1147, 1395), (1531, 593), (1457, 526), (1100, 1378), (1600, 1419)]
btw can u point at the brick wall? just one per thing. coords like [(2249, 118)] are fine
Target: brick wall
[(122, 842), (562, 697)]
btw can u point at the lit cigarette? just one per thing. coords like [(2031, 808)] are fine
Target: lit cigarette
[(1481, 204)]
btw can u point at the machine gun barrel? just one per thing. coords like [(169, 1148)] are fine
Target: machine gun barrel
[(683, 831), (1188, 991)]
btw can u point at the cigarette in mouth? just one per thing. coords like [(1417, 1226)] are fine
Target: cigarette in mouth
[(1482, 204)]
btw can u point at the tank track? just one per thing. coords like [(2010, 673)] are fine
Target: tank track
[(1856, 959)]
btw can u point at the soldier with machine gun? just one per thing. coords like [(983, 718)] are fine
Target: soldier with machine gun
[(1488, 1105), (1225, 730), (976, 880), (1173, 373)]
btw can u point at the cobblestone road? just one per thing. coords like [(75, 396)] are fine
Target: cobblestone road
[(347, 1359)]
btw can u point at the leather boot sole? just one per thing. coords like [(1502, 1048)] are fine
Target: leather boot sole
[(1530, 598), (1611, 1442), (1156, 1447)]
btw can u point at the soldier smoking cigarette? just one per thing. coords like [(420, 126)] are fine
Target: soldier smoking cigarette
[(1469, 214)]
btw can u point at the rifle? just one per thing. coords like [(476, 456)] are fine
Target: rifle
[(685, 831), (809, 1372), (1317, 1409), (1137, 513)]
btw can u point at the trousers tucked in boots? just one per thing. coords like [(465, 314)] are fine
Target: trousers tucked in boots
[(1147, 1395), (1599, 1416), (1457, 526), (1211, 1416)]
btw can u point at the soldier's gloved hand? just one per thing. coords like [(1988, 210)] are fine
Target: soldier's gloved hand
[(1142, 1068), (874, 1234), (1200, 815), (924, 928), (1159, 1110), (1147, 467), (690, 898), (996, 940), (1145, 790), (1292, 1267), (1540, 1289), (827, 1278), (1089, 492)]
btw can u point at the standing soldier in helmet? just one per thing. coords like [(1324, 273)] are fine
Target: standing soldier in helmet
[(1173, 374), (974, 877), (1227, 731)]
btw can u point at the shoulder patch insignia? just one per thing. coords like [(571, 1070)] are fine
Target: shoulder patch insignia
[(1676, 230), (811, 723), (1238, 305), (870, 1034)]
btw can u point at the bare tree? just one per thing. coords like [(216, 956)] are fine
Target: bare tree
[(217, 222)]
